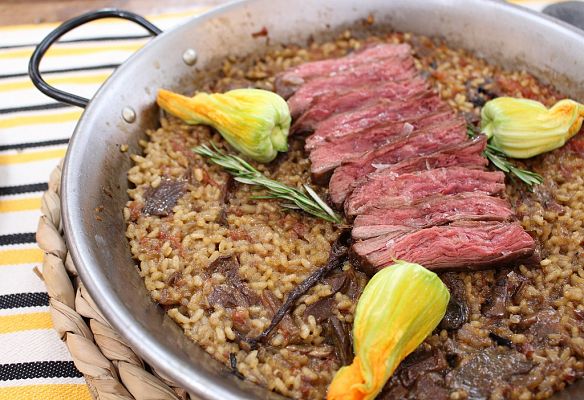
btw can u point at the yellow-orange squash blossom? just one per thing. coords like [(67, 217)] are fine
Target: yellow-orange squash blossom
[(254, 121), (523, 128), (400, 306)]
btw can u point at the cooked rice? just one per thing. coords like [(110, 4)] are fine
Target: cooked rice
[(277, 249)]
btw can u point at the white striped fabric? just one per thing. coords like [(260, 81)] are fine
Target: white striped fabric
[(21, 281)]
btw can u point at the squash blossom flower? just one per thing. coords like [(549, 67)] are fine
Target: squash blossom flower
[(253, 121), (522, 128), (400, 306)]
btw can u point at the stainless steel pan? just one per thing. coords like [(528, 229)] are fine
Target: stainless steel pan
[(95, 169)]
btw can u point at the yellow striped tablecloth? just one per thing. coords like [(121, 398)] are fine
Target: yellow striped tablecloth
[(34, 132)]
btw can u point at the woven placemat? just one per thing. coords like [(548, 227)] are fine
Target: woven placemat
[(111, 368)]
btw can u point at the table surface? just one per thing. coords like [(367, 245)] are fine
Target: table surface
[(13, 12)]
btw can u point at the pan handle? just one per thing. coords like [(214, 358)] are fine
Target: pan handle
[(47, 42)]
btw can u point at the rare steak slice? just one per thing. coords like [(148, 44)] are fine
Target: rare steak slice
[(328, 104), (290, 80), (364, 74), (383, 189), (329, 154), (376, 113), (467, 154), (431, 211), (463, 245), (421, 142)]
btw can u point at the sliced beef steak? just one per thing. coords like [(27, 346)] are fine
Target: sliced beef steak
[(382, 189), (365, 74), (290, 80), (431, 211), (377, 113), (468, 154), (332, 153), (468, 245), (422, 142), (326, 105), (401, 163)]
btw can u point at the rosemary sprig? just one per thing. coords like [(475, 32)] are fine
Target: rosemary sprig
[(499, 160), (292, 198)]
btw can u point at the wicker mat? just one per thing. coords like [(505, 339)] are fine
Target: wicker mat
[(111, 368)]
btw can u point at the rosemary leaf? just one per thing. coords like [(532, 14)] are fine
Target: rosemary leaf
[(497, 161), (244, 180), (290, 206), (316, 198), (291, 198), (498, 158)]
